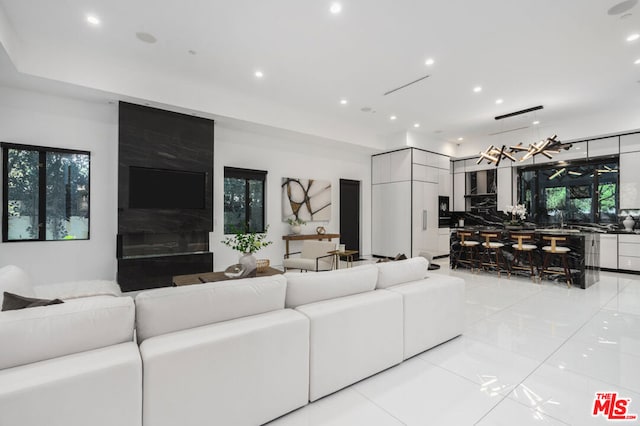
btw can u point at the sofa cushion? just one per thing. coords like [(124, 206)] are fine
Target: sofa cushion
[(13, 302), (167, 310), (76, 289), (16, 281), (314, 287), (74, 326), (402, 271)]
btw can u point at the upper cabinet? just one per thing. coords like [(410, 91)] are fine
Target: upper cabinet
[(603, 147), (576, 152), (629, 180), (391, 167), (630, 143)]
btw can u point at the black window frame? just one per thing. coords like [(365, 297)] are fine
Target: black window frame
[(42, 189), (595, 161), (247, 175)]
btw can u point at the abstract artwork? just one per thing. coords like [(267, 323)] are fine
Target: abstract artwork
[(306, 199)]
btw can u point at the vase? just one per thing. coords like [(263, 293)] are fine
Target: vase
[(628, 223), (248, 260), (296, 229)]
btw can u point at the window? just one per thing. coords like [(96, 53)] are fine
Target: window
[(45, 194), (243, 200), (581, 191)]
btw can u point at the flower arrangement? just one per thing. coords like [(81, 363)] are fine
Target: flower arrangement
[(518, 210), (294, 221), (247, 242)]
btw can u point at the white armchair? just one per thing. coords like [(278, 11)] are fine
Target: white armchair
[(313, 257)]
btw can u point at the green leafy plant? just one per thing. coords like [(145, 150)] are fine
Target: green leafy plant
[(294, 221), (247, 242)]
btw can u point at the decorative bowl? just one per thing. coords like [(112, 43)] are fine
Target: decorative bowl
[(235, 271)]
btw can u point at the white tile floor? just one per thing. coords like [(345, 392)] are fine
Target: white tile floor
[(531, 354)]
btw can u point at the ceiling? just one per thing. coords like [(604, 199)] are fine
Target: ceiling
[(569, 55)]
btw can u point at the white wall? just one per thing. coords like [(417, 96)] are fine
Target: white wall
[(33, 118), (286, 155)]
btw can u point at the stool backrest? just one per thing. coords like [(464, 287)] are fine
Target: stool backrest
[(491, 236), (520, 237), (554, 239), (464, 234)]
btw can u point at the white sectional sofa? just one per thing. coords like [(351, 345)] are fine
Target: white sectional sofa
[(71, 364), (238, 352), (224, 353)]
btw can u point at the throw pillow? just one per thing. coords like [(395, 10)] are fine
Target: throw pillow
[(12, 302)]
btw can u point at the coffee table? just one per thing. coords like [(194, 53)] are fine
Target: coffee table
[(209, 277)]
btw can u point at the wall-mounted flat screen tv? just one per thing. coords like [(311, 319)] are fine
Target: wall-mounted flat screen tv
[(166, 189)]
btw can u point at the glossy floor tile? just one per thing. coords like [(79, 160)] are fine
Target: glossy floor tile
[(531, 354)]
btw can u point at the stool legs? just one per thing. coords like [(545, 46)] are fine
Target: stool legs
[(565, 266)]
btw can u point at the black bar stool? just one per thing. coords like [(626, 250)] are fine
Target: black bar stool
[(520, 248), (555, 250), (468, 247), (493, 248)]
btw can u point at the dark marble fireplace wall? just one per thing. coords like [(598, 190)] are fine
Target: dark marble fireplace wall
[(154, 138)]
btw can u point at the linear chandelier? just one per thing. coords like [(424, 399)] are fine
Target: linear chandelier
[(546, 147)]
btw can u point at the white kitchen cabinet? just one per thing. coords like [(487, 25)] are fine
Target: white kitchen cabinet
[(444, 183), (504, 189), (443, 241), (629, 180), (400, 165), (405, 201), (459, 183), (609, 251), (605, 146), (577, 152), (391, 219), (425, 217), (629, 252), (630, 143)]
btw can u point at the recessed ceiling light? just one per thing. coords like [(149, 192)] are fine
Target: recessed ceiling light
[(477, 89), (343, 102), (536, 122), (335, 8), (499, 101), (636, 62), (146, 37), (460, 139), (93, 20), (633, 37), (258, 74), (393, 117), (416, 125), (429, 62)]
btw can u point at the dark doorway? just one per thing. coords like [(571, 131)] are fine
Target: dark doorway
[(350, 214)]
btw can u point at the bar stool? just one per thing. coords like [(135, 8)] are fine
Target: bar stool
[(521, 248), (556, 250), (470, 247), (493, 247)]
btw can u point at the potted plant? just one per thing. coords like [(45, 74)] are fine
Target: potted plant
[(518, 215), (247, 243), (295, 224)]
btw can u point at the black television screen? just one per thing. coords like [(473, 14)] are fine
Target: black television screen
[(166, 189)]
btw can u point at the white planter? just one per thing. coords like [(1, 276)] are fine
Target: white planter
[(628, 223), (296, 229), (248, 260)]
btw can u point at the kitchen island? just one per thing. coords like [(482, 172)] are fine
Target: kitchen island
[(584, 257)]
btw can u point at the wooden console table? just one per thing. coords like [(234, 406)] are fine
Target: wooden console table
[(297, 237), (209, 277)]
